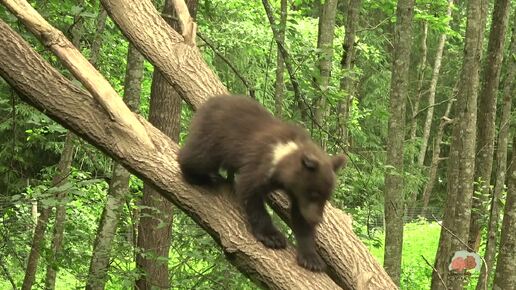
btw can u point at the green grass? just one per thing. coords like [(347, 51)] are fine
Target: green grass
[(419, 239)]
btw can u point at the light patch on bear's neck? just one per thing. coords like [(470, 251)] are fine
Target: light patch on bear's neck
[(281, 150)]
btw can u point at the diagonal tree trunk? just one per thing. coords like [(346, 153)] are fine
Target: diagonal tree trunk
[(486, 126), (501, 165), (153, 239), (279, 86), (394, 205), (461, 162), (151, 155)]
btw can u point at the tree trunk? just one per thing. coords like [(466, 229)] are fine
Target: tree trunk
[(436, 158), (154, 228), (461, 161), (59, 225), (153, 156), (347, 62), (325, 34), (501, 166), (394, 206), (431, 92), (505, 275), (119, 184), (421, 77), (486, 126), (279, 86)]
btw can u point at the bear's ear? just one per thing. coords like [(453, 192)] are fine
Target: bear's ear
[(309, 161), (338, 161)]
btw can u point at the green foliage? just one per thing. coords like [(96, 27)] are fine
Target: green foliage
[(31, 143)]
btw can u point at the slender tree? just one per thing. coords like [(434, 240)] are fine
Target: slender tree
[(486, 119), (461, 163), (119, 183), (436, 158), (279, 86), (325, 34), (432, 90), (59, 224), (422, 65), (394, 176), (286, 60), (501, 164), (347, 64), (505, 275)]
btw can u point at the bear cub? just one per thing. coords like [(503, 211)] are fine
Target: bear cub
[(237, 134)]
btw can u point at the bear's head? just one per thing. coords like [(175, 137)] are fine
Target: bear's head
[(307, 174)]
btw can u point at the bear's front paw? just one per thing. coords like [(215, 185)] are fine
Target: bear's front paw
[(311, 261), (271, 238)]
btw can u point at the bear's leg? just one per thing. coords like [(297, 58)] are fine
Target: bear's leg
[(304, 232), (197, 166), (252, 198)]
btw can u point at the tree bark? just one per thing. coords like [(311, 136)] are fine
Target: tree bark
[(119, 184), (155, 162), (505, 275), (325, 34), (394, 205), (347, 62), (461, 162), (501, 165), (155, 226), (486, 126), (279, 86), (431, 92)]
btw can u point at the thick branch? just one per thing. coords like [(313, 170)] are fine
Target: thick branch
[(182, 66), (180, 63), (42, 86)]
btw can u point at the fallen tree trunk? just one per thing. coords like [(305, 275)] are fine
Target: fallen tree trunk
[(218, 214)]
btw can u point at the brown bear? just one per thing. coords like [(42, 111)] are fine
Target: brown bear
[(237, 134)]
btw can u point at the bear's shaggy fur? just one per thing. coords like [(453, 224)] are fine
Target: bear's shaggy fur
[(237, 134)]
